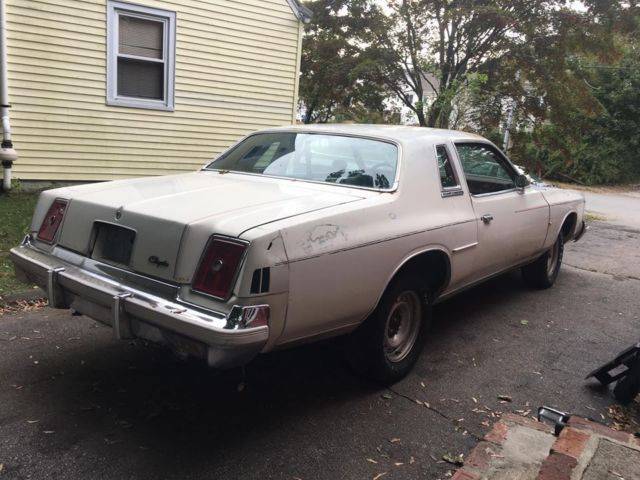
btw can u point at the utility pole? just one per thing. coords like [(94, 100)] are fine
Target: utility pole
[(510, 114)]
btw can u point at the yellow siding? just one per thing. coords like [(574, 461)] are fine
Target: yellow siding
[(237, 65)]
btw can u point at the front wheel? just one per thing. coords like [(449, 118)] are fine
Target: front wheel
[(543, 272), (386, 346)]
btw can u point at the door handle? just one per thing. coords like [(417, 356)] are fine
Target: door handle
[(486, 219)]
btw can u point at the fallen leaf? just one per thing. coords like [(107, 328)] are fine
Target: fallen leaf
[(398, 464), (49, 432), (380, 475), (33, 421), (371, 460), (524, 322), (423, 385), (387, 396), (394, 440), (1, 467), (453, 459), (505, 398), (475, 400)]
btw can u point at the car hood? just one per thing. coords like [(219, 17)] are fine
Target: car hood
[(160, 210)]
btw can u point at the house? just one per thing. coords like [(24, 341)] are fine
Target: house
[(106, 89)]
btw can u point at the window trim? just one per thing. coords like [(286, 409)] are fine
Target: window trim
[(114, 9), (456, 190), (507, 162)]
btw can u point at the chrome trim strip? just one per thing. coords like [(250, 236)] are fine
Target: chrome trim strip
[(546, 205), (465, 247), (454, 192)]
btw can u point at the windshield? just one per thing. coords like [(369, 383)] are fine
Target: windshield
[(353, 161)]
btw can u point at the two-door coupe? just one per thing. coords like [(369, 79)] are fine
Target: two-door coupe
[(296, 234)]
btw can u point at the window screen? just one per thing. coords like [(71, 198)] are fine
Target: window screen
[(141, 37), (447, 175), (141, 56)]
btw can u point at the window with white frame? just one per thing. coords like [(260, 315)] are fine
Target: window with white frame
[(140, 56)]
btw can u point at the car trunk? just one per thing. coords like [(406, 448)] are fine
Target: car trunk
[(139, 224)]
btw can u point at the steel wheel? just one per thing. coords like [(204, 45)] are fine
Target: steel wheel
[(402, 326)]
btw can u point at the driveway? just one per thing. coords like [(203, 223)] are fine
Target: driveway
[(75, 404), (621, 208)]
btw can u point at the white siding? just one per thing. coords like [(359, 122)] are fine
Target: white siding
[(236, 71)]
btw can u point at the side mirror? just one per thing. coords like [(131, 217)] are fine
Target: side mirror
[(521, 182)]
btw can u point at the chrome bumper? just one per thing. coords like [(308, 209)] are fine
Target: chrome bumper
[(217, 337)]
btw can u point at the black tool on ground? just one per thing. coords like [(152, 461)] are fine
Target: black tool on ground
[(557, 419), (624, 369)]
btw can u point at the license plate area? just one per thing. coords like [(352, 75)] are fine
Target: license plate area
[(113, 243)]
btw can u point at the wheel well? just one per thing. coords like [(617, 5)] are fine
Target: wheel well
[(434, 266), (569, 226)]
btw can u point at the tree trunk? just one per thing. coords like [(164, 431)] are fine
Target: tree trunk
[(434, 115), (421, 118)]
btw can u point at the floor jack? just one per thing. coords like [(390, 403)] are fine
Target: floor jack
[(624, 369)]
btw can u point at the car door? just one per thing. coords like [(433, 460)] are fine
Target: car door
[(512, 222)]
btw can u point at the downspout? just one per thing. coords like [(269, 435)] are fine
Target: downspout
[(7, 154)]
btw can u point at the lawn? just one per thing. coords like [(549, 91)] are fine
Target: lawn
[(16, 209)]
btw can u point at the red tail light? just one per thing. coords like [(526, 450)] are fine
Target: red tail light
[(52, 221), (218, 267)]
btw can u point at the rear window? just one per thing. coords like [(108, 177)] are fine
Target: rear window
[(354, 161)]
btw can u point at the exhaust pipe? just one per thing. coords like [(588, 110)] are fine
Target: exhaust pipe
[(7, 153)]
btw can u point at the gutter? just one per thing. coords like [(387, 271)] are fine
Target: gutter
[(7, 153), (301, 12)]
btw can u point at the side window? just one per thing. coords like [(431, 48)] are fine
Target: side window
[(486, 170), (141, 56)]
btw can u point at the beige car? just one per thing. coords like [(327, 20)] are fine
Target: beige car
[(297, 234)]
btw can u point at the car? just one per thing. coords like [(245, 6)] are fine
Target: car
[(297, 234)]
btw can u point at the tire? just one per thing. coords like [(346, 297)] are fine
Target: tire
[(543, 272), (386, 346)]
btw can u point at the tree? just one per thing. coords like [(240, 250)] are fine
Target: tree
[(436, 45), (332, 84)]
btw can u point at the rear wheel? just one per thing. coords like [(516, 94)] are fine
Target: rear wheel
[(543, 272), (386, 346)]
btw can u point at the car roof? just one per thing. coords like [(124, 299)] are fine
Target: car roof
[(398, 133)]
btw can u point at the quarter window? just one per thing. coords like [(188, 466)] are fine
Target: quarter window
[(447, 175), (486, 170), (141, 56)]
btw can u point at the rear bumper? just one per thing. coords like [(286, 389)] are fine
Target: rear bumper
[(134, 312)]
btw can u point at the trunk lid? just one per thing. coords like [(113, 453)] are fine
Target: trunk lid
[(154, 213)]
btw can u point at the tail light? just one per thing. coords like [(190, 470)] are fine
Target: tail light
[(52, 221), (219, 266)]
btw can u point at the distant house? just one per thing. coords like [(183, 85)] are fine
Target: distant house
[(106, 89)]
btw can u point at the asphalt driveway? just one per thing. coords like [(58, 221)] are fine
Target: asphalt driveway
[(75, 404)]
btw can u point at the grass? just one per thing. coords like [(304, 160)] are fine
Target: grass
[(594, 217), (16, 209)]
